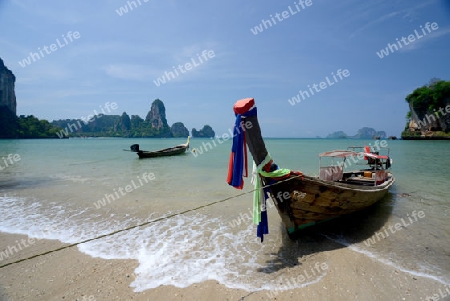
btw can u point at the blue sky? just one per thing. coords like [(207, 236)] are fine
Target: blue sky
[(118, 58)]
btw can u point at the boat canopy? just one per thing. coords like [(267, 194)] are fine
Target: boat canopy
[(348, 153)]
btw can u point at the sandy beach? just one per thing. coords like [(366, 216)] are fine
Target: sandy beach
[(70, 275), (211, 253), (225, 150)]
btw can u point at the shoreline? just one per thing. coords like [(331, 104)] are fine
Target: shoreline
[(71, 275)]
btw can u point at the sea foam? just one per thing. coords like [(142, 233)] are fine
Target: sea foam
[(179, 251)]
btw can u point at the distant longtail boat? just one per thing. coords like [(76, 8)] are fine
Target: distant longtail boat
[(171, 151)]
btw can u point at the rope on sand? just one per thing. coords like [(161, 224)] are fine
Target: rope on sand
[(140, 225)]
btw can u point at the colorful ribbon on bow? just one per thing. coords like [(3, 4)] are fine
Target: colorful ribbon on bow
[(238, 156)]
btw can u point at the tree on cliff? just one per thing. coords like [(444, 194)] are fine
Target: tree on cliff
[(428, 110), (122, 127), (427, 99), (136, 122), (12, 126), (9, 123)]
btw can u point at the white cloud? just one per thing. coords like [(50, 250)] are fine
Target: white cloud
[(408, 13), (131, 72), (425, 39)]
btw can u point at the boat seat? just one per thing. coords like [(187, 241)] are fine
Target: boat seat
[(331, 173)]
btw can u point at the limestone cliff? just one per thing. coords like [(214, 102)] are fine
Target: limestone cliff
[(205, 132), (429, 122), (429, 108), (123, 124), (156, 119), (363, 133), (157, 115), (369, 133), (7, 82), (179, 130)]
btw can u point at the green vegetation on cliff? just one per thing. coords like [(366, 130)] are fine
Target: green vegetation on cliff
[(428, 117), (154, 126), (205, 132), (12, 126), (179, 130), (430, 98)]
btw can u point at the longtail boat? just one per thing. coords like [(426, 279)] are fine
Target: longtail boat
[(171, 151), (302, 200)]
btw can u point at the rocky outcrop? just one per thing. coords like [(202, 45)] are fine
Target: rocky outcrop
[(429, 112), (337, 135), (363, 133), (179, 130), (9, 124), (157, 115), (154, 126), (435, 121), (123, 124), (136, 122), (369, 133), (7, 82), (156, 118), (205, 132)]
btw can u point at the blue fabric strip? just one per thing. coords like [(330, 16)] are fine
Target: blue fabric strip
[(238, 148)]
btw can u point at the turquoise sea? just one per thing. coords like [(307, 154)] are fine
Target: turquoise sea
[(54, 190)]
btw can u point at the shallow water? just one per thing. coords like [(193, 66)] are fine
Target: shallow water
[(54, 190)]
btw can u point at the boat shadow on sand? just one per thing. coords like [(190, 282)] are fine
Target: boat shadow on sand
[(332, 235)]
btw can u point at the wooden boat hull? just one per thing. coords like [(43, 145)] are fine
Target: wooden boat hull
[(305, 202), (162, 153), (170, 151)]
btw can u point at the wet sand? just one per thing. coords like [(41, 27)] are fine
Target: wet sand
[(71, 275)]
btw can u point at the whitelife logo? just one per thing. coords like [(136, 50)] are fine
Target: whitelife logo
[(398, 226), (124, 9), (73, 126), (52, 48), (187, 66), (281, 17), (411, 38), (319, 87), (11, 158), (146, 177)]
